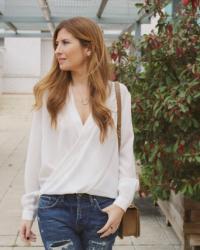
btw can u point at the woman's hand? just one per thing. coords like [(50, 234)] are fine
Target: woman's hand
[(115, 214), (25, 232)]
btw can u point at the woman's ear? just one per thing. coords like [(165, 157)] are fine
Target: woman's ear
[(88, 53)]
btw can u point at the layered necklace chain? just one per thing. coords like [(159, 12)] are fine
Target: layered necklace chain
[(82, 100)]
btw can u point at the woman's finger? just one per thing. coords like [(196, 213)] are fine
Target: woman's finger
[(111, 230), (33, 239), (27, 233), (105, 227), (22, 233), (32, 235), (105, 234)]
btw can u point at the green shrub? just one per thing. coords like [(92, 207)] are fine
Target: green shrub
[(166, 106)]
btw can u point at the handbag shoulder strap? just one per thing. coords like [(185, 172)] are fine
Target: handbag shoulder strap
[(118, 99)]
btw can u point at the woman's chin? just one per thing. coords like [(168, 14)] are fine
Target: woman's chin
[(63, 67)]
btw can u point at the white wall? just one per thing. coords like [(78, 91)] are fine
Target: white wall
[(1, 67), (26, 60), (21, 64), (46, 55), (146, 28)]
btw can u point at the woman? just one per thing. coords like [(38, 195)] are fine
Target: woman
[(76, 182)]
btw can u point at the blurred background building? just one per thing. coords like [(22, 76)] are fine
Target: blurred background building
[(26, 28)]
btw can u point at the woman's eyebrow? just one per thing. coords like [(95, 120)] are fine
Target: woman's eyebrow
[(64, 39)]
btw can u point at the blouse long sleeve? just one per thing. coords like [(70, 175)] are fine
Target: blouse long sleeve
[(128, 183), (32, 165)]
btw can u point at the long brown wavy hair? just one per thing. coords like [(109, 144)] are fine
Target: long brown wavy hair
[(56, 82)]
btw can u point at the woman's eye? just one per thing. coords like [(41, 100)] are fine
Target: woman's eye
[(65, 42)]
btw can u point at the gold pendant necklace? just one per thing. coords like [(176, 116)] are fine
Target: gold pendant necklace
[(83, 101)]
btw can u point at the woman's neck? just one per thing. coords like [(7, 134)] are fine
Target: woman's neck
[(79, 77)]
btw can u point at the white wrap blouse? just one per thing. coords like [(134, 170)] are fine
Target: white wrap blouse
[(71, 158)]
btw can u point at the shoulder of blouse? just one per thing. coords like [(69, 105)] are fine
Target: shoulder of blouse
[(123, 87), (125, 94)]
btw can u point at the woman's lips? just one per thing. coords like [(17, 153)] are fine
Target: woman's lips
[(61, 60)]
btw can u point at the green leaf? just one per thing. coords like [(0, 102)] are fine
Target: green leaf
[(197, 95), (190, 190), (197, 158), (159, 165), (153, 154), (157, 111), (183, 108), (139, 5), (175, 147), (182, 94), (195, 123), (189, 99)]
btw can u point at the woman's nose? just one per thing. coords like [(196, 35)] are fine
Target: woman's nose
[(58, 49)]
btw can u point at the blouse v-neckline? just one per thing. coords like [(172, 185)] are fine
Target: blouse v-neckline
[(77, 112)]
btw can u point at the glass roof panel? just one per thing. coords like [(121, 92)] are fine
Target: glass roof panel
[(34, 14)]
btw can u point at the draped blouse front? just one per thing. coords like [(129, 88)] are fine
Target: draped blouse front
[(71, 158)]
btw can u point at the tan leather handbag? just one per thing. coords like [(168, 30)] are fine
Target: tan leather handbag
[(130, 223)]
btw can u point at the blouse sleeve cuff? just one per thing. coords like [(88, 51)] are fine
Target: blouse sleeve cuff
[(120, 202), (124, 201), (28, 215)]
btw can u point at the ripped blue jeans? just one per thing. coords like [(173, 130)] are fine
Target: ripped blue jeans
[(71, 222)]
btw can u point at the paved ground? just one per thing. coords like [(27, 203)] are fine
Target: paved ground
[(14, 129)]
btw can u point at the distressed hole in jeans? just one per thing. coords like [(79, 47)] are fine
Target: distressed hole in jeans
[(61, 245), (98, 245)]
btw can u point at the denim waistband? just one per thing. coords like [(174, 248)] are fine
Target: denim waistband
[(79, 195), (84, 195)]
